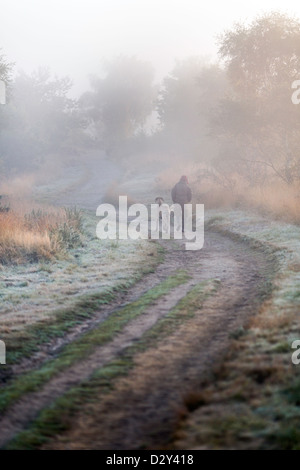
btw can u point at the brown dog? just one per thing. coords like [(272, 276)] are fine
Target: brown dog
[(159, 200)]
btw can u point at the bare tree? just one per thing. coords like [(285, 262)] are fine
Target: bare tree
[(258, 117)]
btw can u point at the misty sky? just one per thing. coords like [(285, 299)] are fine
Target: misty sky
[(73, 37)]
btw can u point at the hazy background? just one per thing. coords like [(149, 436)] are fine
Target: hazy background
[(72, 37), (152, 89)]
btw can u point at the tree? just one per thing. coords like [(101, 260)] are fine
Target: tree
[(40, 119), (258, 119), (186, 102), (120, 103), (5, 76)]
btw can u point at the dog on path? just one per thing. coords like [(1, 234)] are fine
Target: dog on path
[(162, 207)]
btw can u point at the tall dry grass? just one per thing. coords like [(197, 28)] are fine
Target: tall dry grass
[(276, 198), (31, 234)]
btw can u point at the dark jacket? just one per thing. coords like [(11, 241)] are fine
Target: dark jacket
[(181, 193)]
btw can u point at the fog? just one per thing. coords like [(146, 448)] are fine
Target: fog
[(161, 87), (73, 37)]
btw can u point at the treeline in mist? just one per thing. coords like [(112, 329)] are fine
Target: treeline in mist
[(234, 120)]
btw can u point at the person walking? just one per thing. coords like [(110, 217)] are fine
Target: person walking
[(182, 194)]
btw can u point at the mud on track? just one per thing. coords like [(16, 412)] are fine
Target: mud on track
[(142, 411)]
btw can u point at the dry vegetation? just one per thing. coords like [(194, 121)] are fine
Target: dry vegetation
[(275, 199), (278, 201)]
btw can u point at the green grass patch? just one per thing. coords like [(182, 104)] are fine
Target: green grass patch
[(28, 341), (58, 417), (184, 310)]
